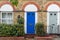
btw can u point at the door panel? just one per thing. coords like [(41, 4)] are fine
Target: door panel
[(53, 22), (30, 22)]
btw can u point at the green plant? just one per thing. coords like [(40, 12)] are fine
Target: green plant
[(20, 29), (14, 2), (20, 20), (40, 29), (11, 30)]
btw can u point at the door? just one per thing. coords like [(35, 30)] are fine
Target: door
[(53, 22), (30, 22)]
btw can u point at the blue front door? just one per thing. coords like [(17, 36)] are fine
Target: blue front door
[(30, 22)]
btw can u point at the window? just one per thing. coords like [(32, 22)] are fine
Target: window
[(7, 17)]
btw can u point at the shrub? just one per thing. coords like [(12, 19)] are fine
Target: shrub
[(11, 30), (20, 29), (20, 20), (40, 29)]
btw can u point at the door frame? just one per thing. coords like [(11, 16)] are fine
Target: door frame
[(50, 8), (25, 21)]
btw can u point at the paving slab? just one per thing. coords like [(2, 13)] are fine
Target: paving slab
[(56, 38)]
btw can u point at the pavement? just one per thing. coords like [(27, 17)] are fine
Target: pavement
[(56, 38)]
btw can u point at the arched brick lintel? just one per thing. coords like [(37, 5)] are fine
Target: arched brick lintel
[(27, 3), (50, 4), (6, 2)]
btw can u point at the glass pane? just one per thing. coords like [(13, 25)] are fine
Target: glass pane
[(4, 21), (9, 15), (10, 21), (3, 15)]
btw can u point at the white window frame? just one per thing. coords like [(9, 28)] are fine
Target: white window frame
[(1, 17), (7, 18)]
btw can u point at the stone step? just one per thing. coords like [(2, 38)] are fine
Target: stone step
[(29, 39), (34, 39), (29, 36)]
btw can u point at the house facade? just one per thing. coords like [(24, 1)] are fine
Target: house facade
[(33, 11)]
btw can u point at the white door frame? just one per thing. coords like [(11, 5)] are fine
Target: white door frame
[(52, 6), (29, 8), (25, 21)]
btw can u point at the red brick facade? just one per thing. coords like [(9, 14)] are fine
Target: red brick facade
[(52, 2), (27, 3), (6, 2)]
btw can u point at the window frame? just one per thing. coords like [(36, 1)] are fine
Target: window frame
[(7, 18)]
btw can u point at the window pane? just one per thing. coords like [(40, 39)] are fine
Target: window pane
[(7, 18), (4, 21), (9, 15), (3, 15), (4, 18), (10, 21)]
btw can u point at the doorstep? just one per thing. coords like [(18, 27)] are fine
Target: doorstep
[(29, 39), (29, 35)]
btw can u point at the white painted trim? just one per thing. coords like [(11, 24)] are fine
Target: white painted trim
[(57, 18), (13, 17), (1, 17), (47, 22), (6, 7), (25, 21), (30, 8), (36, 17)]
